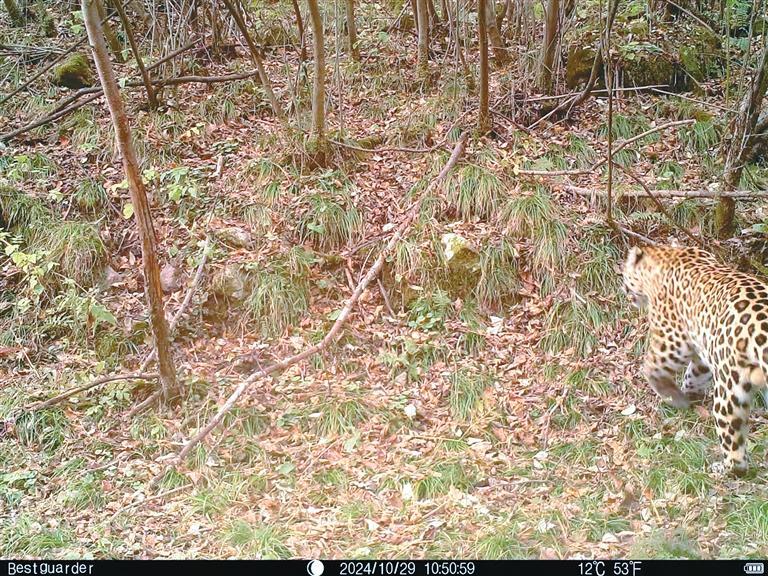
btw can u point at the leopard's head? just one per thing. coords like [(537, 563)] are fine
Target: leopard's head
[(638, 275)]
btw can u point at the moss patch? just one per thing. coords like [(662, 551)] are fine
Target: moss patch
[(75, 72)]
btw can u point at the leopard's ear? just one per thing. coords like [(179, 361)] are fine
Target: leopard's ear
[(634, 256)]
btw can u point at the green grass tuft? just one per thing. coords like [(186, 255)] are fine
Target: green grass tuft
[(467, 388), (474, 191), (279, 291), (259, 542)]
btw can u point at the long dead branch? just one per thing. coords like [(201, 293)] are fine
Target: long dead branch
[(372, 273), (95, 92), (602, 161), (91, 384), (739, 194)]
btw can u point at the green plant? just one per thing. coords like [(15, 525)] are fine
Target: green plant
[(467, 388), (429, 311), (279, 290), (473, 190)]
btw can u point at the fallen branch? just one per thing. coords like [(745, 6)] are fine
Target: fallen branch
[(740, 194), (372, 273), (95, 92), (92, 384), (661, 207), (381, 150), (599, 163)]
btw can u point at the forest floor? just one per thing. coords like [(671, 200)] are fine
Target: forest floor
[(509, 421)]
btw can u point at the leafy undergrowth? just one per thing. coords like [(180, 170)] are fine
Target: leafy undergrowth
[(496, 412)]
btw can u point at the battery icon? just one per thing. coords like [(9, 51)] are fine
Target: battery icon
[(754, 568)]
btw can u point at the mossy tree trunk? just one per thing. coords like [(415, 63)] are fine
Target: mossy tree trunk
[(153, 290), (17, 18), (352, 31), (740, 146), (549, 45), (318, 87), (422, 18), (484, 118)]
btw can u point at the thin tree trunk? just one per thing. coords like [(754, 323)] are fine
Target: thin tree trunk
[(154, 292), (499, 49), (17, 18), (484, 118), (352, 31), (549, 45), (740, 147), (109, 34), (265, 83), (300, 26), (318, 88), (151, 97), (422, 18)]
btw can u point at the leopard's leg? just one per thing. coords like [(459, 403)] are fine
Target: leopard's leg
[(697, 379), (733, 398), (666, 357)]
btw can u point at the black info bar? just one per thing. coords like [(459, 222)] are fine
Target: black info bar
[(319, 567)]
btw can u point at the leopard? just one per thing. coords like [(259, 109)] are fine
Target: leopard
[(708, 319)]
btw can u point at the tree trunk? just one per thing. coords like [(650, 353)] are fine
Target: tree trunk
[(254, 51), (151, 97), (300, 26), (499, 49), (484, 118), (109, 34), (352, 31), (549, 45), (318, 88), (17, 18), (170, 389), (740, 147), (422, 18)]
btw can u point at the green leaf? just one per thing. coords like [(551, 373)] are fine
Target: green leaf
[(100, 313), (286, 468), (128, 210)]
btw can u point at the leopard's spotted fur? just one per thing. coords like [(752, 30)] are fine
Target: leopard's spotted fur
[(710, 319)]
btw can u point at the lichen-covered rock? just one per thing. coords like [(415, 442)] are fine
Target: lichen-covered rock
[(235, 237), (463, 264), (75, 72), (229, 283)]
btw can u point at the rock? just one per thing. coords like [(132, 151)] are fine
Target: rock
[(229, 283), (463, 262), (579, 67), (235, 237), (75, 72), (170, 279)]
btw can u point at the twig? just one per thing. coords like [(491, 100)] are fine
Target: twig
[(661, 207), (150, 499), (599, 163), (144, 404), (698, 19), (184, 303), (92, 384), (385, 296), (372, 273), (526, 99), (695, 100), (634, 234)]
